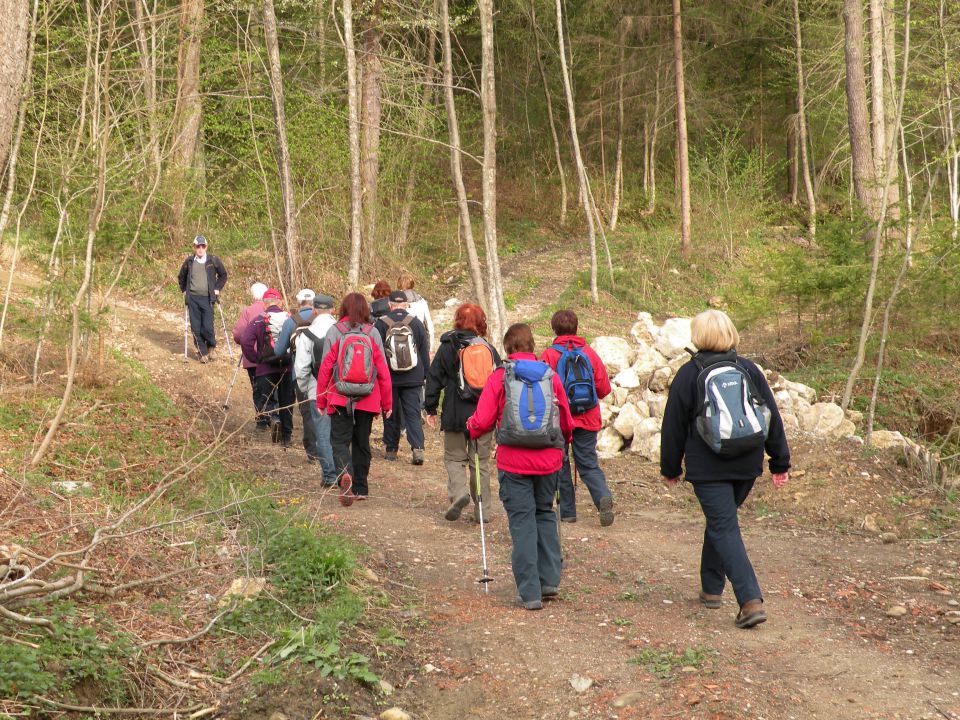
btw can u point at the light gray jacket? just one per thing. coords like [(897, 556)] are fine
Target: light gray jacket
[(306, 380)]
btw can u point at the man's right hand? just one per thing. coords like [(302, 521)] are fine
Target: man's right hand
[(432, 422)]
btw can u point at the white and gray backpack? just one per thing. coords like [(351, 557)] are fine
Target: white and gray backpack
[(400, 344), (732, 417), (531, 418)]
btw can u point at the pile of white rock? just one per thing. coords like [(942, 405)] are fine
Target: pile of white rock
[(642, 367)]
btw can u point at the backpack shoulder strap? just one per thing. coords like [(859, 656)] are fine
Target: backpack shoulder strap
[(388, 321), (407, 320), (310, 334)]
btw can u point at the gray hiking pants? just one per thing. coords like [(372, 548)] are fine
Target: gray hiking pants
[(461, 474)]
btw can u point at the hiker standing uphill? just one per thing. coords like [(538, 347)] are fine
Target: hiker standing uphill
[(526, 402), (418, 306), (407, 350), (353, 387), (459, 371), (272, 373), (584, 377), (201, 279), (721, 398), (247, 315), (380, 300), (305, 366)]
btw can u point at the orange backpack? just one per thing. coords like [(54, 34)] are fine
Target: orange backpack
[(476, 365)]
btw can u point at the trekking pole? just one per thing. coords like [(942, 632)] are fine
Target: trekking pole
[(225, 334), (226, 401), (186, 330), (556, 498), (485, 579)]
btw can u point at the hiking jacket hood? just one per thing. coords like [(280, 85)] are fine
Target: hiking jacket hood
[(443, 378), (380, 400), (590, 420), (216, 275), (416, 376), (247, 316), (303, 362), (249, 345), (522, 461), (680, 441)]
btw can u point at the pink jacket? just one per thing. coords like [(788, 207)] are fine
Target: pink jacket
[(381, 399), (590, 420), (247, 316), (522, 461)]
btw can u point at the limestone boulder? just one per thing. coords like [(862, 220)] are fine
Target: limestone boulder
[(674, 337), (618, 395), (647, 447), (883, 439), (656, 403), (606, 412), (609, 443), (645, 330), (804, 391), (660, 380), (627, 420), (627, 378), (826, 420), (647, 362), (616, 353)]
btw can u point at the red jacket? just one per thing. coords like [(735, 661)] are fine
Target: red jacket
[(381, 399), (522, 461), (590, 420)]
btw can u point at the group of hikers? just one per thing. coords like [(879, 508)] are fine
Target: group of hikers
[(342, 369)]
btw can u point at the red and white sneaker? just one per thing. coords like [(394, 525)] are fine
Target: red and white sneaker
[(346, 496)]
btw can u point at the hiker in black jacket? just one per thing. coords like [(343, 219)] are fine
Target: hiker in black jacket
[(444, 378), (721, 484), (404, 338), (201, 279)]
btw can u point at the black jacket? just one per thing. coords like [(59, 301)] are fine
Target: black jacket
[(442, 378), (416, 376), (681, 441), (216, 275)]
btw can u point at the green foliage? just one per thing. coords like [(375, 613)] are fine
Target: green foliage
[(664, 664), (305, 565), (311, 645)]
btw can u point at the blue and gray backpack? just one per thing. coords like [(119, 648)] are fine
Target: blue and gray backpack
[(732, 417), (576, 374), (530, 418)]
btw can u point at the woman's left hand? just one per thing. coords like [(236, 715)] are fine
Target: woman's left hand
[(670, 482), (780, 479)]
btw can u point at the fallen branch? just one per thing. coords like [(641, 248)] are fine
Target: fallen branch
[(189, 638), (116, 711)]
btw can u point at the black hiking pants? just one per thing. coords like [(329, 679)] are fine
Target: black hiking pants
[(350, 437), (201, 322), (280, 384)]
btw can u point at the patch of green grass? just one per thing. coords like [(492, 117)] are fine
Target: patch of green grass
[(664, 664)]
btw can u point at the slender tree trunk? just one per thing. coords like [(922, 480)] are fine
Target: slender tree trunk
[(353, 123), (618, 170), (802, 124), (585, 196), (683, 161), (861, 153), (488, 97), (889, 98), (652, 190), (878, 118), (951, 148), (14, 49), (287, 196), (558, 155), (793, 159), (371, 102), (456, 161), (186, 133)]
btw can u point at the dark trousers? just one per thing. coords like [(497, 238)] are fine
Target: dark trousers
[(263, 407), (406, 414), (201, 322), (528, 500), (584, 447), (280, 383), (309, 428), (724, 555), (350, 437)]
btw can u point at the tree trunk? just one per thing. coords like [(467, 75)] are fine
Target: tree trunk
[(683, 161), (353, 123), (889, 100), (652, 189), (558, 156), (861, 153), (488, 97), (802, 124), (878, 118), (456, 164), (793, 160), (287, 197), (951, 148), (186, 122), (585, 197), (14, 49), (372, 89), (618, 170)]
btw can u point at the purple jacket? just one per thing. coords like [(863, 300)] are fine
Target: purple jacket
[(247, 316), (249, 341)]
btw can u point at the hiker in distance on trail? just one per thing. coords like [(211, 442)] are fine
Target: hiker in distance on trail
[(201, 279), (418, 307), (719, 420), (527, 404), (407, 349), (263, 406), (585, 380), (459, 371)]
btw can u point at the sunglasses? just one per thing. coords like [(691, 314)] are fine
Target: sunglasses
[(200, 245)]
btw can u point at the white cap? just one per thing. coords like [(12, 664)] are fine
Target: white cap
[(306, 295), (257, 290)]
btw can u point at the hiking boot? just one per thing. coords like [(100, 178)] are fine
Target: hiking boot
[(211, 354), (549, 592), (390, 455), (285, 442), (331, 482), (569, 519), (202, 358), (417, 458), (752, 613), (606, 511), (346, 497), (275, 430), (712, 602), (529, 604), (456, 507), (263, 427)]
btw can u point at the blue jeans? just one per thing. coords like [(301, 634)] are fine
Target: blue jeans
[(584, 448), (406, 414), (323, 446), (724, 554), (528, 500)]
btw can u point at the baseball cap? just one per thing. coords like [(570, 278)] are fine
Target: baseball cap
[(305, 295), (323, 302), (199, 240), (257, 290), (398, 296), (272, 294)]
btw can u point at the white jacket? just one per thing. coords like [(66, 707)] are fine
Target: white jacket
[(420, 310), (306, 380)]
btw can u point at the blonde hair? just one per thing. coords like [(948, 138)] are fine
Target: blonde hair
[(405, 281), (714, 331)]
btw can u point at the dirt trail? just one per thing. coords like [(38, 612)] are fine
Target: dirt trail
[(828, 650)]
